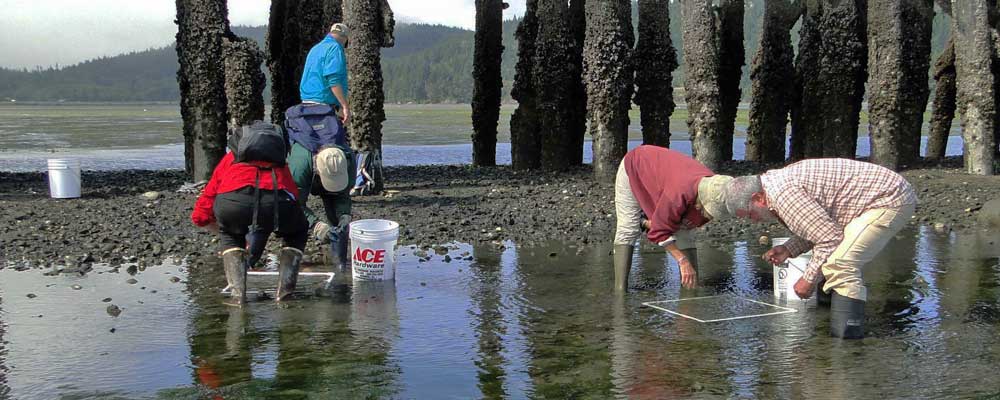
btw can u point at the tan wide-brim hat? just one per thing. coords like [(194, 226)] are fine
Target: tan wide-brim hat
[(331, 165), (712, 196)]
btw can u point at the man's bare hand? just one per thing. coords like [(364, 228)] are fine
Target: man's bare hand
[(777, 255), (345, 115), (804, 289), (689, 277)]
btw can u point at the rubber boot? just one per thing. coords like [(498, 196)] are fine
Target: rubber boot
[(847, 317), (289, 259), (234, 263), (623, 263), (822, 298), (340, 249)]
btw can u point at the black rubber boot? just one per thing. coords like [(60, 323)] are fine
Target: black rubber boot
[(847, 317), (289, 259), (623, 263), (822, 298), (234, 263), (340, 250)]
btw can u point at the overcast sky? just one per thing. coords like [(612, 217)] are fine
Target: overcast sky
[(49, 32)]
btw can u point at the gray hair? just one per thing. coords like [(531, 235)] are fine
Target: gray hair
[(740, 190)]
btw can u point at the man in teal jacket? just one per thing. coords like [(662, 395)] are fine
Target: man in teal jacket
[(328, 175), (324, 74)]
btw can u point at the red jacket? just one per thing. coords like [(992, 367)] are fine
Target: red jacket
[(229, 176), (665, 183)]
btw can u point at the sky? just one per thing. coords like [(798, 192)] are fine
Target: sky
[(64, 32)]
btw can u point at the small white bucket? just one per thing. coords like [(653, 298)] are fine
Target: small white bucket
[(64, 178), (789, 272), (373, 249)]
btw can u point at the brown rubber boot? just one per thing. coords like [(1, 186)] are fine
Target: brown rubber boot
[(234, 263), (289, 259), (623, 263)]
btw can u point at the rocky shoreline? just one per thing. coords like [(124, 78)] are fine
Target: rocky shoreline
[(139, 217)]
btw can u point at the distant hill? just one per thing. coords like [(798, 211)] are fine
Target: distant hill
[(429, 64)]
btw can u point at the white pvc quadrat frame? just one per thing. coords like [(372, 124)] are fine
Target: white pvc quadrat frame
[(326, 282), (784, 310)]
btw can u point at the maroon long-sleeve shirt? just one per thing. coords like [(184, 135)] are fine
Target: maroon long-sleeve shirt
[(665, 183)]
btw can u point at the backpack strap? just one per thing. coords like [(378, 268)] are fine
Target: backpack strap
[(274, 206), (256, 200)]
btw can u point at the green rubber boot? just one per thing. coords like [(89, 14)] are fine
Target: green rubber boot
[(623, 263), (289, 259), (234, 263), (847, 317)]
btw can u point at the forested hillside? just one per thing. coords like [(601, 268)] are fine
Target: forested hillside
[(429, 64)]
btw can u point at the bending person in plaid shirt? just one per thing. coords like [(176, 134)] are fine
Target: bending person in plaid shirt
[(845, 211)]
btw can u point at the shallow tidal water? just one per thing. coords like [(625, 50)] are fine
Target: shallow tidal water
[(513, 322), (148, 136)]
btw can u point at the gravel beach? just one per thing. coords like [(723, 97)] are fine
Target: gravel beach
[(139, 217)]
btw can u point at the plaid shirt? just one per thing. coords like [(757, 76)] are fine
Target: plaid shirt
[(817, 198)]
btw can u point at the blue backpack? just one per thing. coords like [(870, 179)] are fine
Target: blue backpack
[(314, 126)]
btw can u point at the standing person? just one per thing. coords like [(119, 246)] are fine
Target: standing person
[(252, 190), (324, 74), (320, 160), (677, 193), (844, 210)]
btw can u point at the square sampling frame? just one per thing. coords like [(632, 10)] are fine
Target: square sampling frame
[(719, 308)]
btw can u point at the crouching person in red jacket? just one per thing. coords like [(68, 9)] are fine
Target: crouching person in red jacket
[(253, 196)]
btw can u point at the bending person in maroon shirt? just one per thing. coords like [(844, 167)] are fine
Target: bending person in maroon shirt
[(677, 193), (845, 211)]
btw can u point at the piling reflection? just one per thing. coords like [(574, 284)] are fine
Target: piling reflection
[(4, 388), (489, 323), (565, 323)]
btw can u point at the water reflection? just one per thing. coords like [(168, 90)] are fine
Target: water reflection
[(4, 389), (334, 345), (512, 322), (490, 325)]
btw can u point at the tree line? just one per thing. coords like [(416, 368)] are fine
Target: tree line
[(428, 64)]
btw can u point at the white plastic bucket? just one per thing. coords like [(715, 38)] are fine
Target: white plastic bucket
[(64, 178), (373, 249), (789, 272)]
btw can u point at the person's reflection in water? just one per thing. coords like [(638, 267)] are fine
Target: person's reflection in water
[(220, 338), (489, 322), (652, 263), (715, 270)]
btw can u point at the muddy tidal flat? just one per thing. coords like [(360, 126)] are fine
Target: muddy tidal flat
[(139, 217)]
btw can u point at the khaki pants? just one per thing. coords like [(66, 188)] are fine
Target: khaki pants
[(864, 237), (630, 214)]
